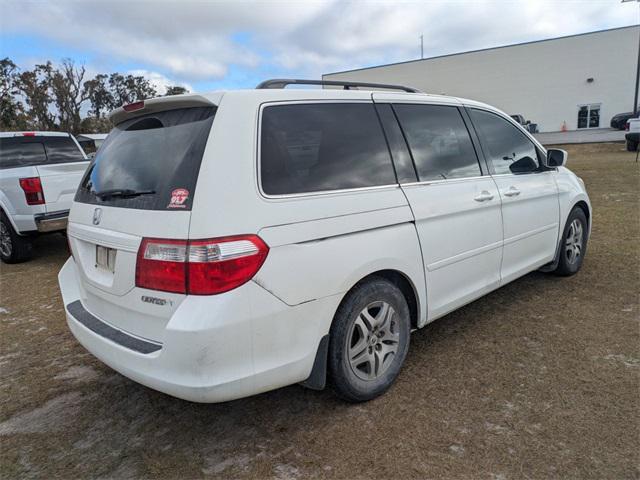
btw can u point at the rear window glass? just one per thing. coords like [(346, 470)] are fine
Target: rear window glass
[(149, 162), (14, 152), (318, 147), (62, 150)]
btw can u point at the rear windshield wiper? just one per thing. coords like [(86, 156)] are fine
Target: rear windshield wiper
[(123, 192)]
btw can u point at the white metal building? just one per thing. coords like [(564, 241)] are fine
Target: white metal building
[(580, 81)]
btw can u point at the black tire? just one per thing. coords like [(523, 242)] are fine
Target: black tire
[(14, 248), (570, 262), (632, 146), (348, 381)]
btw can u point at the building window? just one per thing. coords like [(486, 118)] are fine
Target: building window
[(589, 116)]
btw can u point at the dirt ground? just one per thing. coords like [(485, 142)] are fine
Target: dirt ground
[(540, 379)]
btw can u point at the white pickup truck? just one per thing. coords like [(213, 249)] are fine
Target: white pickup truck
[(633, 134), (39, 175)]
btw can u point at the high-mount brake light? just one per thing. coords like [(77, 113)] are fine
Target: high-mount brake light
[(199, 267), (32, 188), (132, 107), (28, 134)]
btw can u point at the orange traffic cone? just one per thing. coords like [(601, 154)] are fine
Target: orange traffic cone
[(563, 128)]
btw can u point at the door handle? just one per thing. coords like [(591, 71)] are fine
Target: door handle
[(483, 197), (512, 192)]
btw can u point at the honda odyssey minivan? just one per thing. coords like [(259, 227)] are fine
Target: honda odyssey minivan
[(232, 243)]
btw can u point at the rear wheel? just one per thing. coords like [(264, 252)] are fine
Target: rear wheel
[(632, 146), (369, 340), (13, 247), (574, 243)]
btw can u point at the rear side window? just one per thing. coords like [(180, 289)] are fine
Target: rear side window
[(506, 147), (439, 141), (62, 150), (150, 162), (318, 147), (14, 152)]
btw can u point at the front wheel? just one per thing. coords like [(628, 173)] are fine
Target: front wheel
[(574, 243), (369, 340), (14, 248)]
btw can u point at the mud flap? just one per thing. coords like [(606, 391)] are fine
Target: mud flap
[(318, 377)]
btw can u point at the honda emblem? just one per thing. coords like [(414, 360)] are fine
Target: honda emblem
[(97, 216)]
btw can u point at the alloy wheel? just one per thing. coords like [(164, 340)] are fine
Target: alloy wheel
[(373, 341), (573, 242)]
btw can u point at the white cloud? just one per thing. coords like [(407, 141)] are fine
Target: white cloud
[(159, 81), (195, 40)]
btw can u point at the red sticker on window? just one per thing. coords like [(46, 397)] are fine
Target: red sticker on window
[(178, 198)]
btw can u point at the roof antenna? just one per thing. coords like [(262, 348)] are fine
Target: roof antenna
[(421, 47)]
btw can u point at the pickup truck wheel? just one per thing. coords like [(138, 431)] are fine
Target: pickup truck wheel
[(13, 247), (369, 340), (573, 244), (632, 146)]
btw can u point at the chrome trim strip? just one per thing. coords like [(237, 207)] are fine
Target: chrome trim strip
[(448, 180)]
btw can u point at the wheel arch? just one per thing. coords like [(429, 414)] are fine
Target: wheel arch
[(317, 377), (585, 208)]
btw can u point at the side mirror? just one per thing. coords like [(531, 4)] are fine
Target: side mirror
[(523, 165), (556, 158)]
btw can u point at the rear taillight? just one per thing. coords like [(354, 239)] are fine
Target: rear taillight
[(32, 190), (199, 267)]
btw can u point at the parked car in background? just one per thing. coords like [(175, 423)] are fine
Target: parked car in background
[(632, 137), (526, 124), (90, 142), (231, 243), (619, 121), (39, 175)]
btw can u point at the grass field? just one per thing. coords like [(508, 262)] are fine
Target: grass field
[(540, 379)]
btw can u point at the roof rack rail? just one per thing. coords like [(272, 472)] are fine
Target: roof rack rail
[(283, 82)]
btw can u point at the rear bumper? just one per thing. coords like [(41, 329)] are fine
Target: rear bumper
[(51, 222), (213, 349)]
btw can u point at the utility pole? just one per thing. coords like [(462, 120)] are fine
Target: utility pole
[(421, 47), (635, 109)]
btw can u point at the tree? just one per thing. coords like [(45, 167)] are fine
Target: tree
[(95, 125), (130, 88), (34, 86), (68, 94), (99, 95), (12, 116), (175, 90)]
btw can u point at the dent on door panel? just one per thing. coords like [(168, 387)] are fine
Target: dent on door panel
[(310, 269)]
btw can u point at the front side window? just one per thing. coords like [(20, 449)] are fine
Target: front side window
[(308, 148), (506, 147), (439, 141)]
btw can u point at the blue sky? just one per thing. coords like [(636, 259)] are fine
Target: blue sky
[(207, 45)]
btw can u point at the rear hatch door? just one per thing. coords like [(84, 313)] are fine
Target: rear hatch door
[(140, 184)]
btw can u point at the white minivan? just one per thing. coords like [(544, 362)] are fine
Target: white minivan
[(232, 243)]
